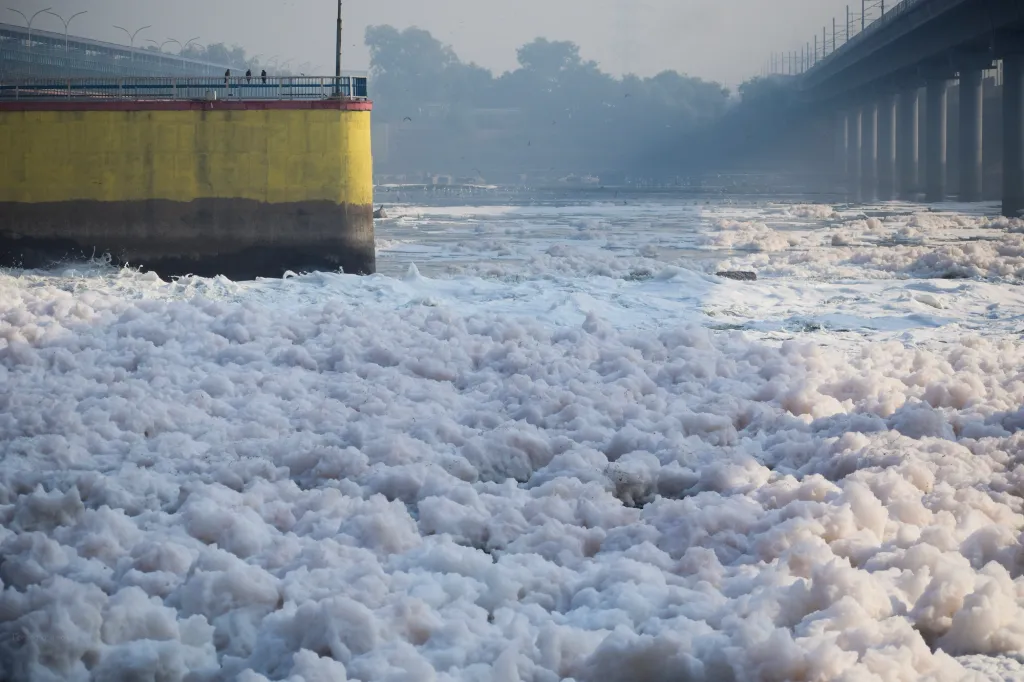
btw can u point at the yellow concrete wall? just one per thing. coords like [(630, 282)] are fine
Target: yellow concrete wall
[(274, 156)]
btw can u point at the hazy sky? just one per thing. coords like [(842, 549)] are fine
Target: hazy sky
[(724, 40)]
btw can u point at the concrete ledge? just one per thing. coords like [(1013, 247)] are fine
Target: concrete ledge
[(186, 105), (238, 238)]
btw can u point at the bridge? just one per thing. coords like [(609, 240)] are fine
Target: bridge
[(43, 54), (872, 87)]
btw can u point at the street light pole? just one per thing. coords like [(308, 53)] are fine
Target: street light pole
[(29, 20), (131, 37), (160, 46), (66, 24), (337, 57)]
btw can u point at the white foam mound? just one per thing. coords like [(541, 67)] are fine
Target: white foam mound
[(751, 236), (345, 487)]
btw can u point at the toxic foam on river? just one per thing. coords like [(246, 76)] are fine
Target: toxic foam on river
[(567, 452)]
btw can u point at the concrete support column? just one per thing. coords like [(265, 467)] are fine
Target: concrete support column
[(907, 140), (869, 152), (935, 134), (971, 169), (887, 147), (842, 158), (853, 164), (1013, 135)]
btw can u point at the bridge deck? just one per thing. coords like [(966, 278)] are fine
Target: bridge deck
[(919, 39)]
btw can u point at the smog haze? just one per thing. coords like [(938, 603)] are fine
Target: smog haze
[(722, 40)]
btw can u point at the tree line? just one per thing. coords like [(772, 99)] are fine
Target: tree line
[(555, 114)]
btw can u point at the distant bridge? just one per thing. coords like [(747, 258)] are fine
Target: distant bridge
[(872, 85), (43, 54)]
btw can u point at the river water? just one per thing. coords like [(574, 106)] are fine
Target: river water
[(545, 442)]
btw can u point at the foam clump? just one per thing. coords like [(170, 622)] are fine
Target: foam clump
[(348, 487)]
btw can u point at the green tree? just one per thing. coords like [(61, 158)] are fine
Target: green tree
[(556, 111)]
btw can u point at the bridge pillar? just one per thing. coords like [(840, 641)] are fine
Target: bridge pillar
[(869, 152), (887, 147), (935, 131), (854, 159), (1013, 135), (909, 158), (971, 168), (842, 158)]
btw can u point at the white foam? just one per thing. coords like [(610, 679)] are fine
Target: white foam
[(559, 472)]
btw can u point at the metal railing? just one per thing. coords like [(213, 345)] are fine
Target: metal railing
[(233, 88), (21, 49), (892, 15)]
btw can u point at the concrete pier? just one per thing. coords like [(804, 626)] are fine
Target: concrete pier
[(854, 140), (887, 147), (869, 152), (842, 150), (240, 188), (935, 134), (1013, 135), (971, 167), (907, 155)]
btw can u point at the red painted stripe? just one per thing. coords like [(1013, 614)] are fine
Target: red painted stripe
[(184, 105)]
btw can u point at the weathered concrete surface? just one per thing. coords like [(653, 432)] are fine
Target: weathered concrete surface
[(189, 187), (238, 238)]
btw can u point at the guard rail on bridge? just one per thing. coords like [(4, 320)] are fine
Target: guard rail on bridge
[(926, 9), (241, 88), (894, 14)]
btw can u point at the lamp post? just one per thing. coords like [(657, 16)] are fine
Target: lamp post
[(66, 24), (160, 46), (337, 57), (29, 20), (131, 37)]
